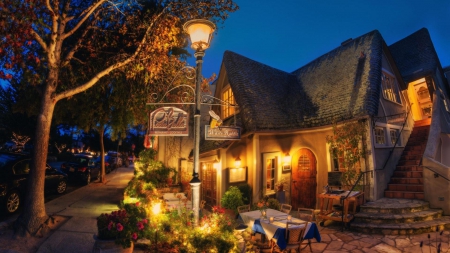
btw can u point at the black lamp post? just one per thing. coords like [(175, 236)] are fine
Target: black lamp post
[(200, 32)]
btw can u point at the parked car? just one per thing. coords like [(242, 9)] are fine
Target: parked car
[(115, 159), (9, 146), (108, 167), (81, 168), (14, 170)]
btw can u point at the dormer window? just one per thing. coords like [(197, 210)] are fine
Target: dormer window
[(390, 87), (228, 98)]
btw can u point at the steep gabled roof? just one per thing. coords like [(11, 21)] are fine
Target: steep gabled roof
[(415, 55), (340, 85)]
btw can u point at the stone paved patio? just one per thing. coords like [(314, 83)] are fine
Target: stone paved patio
[(334, 240)]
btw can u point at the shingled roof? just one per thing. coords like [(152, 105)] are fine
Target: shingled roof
[(415, 55), (340, 85)]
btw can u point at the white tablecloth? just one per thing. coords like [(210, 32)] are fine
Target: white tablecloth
[(280, 219)]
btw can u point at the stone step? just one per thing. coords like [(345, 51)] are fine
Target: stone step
[(419, 227), (406, 156), (395, 206), (389, 218), (404, 194), (405, 187), (408, 168), (408, 162), (419, 148), (402, 180), (408, 174), (413, 152)]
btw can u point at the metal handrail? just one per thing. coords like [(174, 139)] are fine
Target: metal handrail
[(436, 174), (396, 141)]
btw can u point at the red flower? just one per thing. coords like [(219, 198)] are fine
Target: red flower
[(110, 225), (140, 225), (138, 203), (145, 221), (119, 227), (134, 236)]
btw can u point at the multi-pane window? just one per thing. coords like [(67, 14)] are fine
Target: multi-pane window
[(390, 88), (228, 98), (379, 135), (270, 174), (209, 184), (394, 136)]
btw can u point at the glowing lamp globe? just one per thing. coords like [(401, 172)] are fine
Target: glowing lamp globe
[(200, 32)]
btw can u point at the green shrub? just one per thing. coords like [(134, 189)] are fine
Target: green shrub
[(232, 199), (246, 190)]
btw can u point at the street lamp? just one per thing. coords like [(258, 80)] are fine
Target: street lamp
[(200, 32)]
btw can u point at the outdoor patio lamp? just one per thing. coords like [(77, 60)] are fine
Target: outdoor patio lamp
[(237, 163), (200, 32), (287, 158)]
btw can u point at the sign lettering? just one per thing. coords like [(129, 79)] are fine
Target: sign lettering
[(169, 121), (222, 133)]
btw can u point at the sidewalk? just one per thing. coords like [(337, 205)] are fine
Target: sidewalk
[(83, 206)]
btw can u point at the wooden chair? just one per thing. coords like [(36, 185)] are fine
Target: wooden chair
[(305, 214), (285, 208), (243, 209), (294, 236)]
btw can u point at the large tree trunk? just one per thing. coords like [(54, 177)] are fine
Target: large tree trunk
[(102, 155), (33, 213)]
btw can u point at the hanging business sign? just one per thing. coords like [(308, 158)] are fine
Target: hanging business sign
[(169, 121), (222, 133)]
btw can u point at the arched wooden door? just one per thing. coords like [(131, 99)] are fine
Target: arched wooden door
[(303, 190)]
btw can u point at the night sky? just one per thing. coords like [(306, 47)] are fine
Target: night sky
[(287, 34)]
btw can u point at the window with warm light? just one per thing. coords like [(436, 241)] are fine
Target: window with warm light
[(379, 136), (390, 87), (209, 184), (394, 136), (270, 174), (228, 98)]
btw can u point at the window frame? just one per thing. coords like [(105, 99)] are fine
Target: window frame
[(376, 135), (389, 93), (227, 96)]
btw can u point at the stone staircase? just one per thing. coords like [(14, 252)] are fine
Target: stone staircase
[(407, 180), (403, 211), (390, 216)]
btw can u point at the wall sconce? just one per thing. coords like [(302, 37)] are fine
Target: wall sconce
[(287, 162), (237, 163), (216, 164)]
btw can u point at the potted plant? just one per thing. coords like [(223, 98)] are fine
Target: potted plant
[(232, 199), (123, 227)]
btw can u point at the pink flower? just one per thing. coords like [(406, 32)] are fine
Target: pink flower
[(140, 225), (119, 227), (134, 236), (110, 225)]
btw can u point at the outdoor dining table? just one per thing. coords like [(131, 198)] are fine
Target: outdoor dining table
[(276, 229)]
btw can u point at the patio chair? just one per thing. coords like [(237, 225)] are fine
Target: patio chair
[(294, 237), (285, 208), (305, 214), (243, 209)]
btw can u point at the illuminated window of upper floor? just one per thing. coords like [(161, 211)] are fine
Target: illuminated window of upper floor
[(228, 98), (390, 87)]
